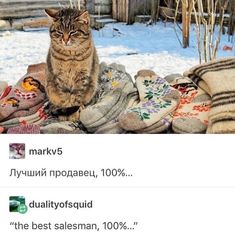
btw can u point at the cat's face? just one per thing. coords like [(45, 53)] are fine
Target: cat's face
[(70, 27), (17, 151)]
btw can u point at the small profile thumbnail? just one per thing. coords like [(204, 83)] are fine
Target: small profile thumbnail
[(17, 204), (17, 151)]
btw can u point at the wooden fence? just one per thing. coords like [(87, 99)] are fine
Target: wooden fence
[(125, 10), (27, 8), (100, 6)]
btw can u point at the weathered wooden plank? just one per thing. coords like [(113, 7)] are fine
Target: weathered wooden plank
[(26, 8), (103, 9), (23, 14), (103, 2), (29, 8), (114, 9), (26, 1), (16, 4), (125, 10)]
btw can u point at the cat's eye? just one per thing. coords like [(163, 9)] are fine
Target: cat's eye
[(73, 32), (59, 32)]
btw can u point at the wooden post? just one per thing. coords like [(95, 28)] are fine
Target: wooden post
[(184, 24), (186, 20), (131, 11), (127, 10), (232, 18), (170, 4), (155, 10)]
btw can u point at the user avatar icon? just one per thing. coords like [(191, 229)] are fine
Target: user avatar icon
[(17, 151), (17, 204)]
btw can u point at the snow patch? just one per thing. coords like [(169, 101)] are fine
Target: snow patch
[(135, 46)]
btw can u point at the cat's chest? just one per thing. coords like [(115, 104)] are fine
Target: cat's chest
[(68, 69), (69, 72)]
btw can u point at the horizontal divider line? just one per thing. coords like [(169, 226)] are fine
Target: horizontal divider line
[(118, 187)]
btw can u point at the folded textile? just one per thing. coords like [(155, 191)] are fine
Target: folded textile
[(116, 91), (54, 126), (157, 101), (217, 78), (3, 86), (1, 130), (27, 112), (111, 127), (27, 93), (25, 129), (192, 113), (5, 92), (162, 126), (37, 118)]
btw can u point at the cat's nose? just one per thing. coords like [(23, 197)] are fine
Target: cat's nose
[(66, 39)]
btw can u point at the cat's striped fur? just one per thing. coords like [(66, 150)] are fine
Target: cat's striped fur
[(72, 62)]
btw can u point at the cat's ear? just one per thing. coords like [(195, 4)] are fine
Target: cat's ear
[(52, 13), (85, 17)]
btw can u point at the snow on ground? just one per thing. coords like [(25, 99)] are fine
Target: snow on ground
[(136, 46)]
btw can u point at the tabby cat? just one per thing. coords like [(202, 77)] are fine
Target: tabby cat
[(72, 62)]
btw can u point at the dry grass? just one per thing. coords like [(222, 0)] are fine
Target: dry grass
[(75, 4)]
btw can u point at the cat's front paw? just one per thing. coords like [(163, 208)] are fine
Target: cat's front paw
[(74, 117), (53, 110), (82, 107), (63, 118)]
